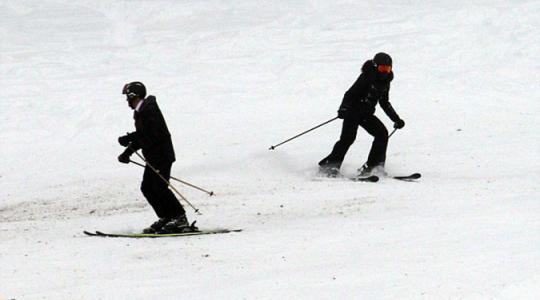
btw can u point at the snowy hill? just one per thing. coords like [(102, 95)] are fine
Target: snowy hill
[(233, 78)]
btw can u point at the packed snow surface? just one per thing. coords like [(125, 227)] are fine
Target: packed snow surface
[(235, 77)]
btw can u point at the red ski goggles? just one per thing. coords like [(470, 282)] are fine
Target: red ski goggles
[(384, 68)]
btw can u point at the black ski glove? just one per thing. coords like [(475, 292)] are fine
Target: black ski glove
[(124, 157), (342, 113), (125, 139), (399, 124)]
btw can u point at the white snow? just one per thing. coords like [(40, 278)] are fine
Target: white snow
[(233, 78)]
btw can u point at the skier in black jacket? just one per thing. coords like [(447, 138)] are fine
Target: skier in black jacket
[(357, 109), (153, 137)]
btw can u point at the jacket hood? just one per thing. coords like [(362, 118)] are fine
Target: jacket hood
[(150, 99), (368, 67)]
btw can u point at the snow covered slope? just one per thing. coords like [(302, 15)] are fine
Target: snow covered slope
[(233, 78)]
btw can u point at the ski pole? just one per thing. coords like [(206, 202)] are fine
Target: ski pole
[(392, 132), (211, 193), (274, 147), (166, 181)]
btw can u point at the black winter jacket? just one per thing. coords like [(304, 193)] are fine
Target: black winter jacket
[(152, 135), (368, 90)]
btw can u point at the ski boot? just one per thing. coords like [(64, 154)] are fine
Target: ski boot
[(157, 226), (329, 171), (179, 224), (367, 170)]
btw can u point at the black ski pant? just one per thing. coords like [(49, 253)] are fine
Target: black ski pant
[(374, 126), (157, 192)]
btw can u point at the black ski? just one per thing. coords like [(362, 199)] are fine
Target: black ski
[(375, 178), (159, 235), (372, 178), (411, 177)]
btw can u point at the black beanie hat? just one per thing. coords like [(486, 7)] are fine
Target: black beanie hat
[(382, 58)]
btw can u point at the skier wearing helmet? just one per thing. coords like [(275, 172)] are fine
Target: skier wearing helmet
[(357, 109), (153, 137)]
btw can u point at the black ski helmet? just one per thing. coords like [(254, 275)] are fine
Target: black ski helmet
[(134, 89), (382, 58)]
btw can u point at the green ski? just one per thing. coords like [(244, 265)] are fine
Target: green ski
[(159, 235)]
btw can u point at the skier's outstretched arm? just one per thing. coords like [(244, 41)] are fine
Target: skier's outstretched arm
[(390, 112)]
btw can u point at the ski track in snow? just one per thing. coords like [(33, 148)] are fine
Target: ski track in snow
[(233, 79)]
